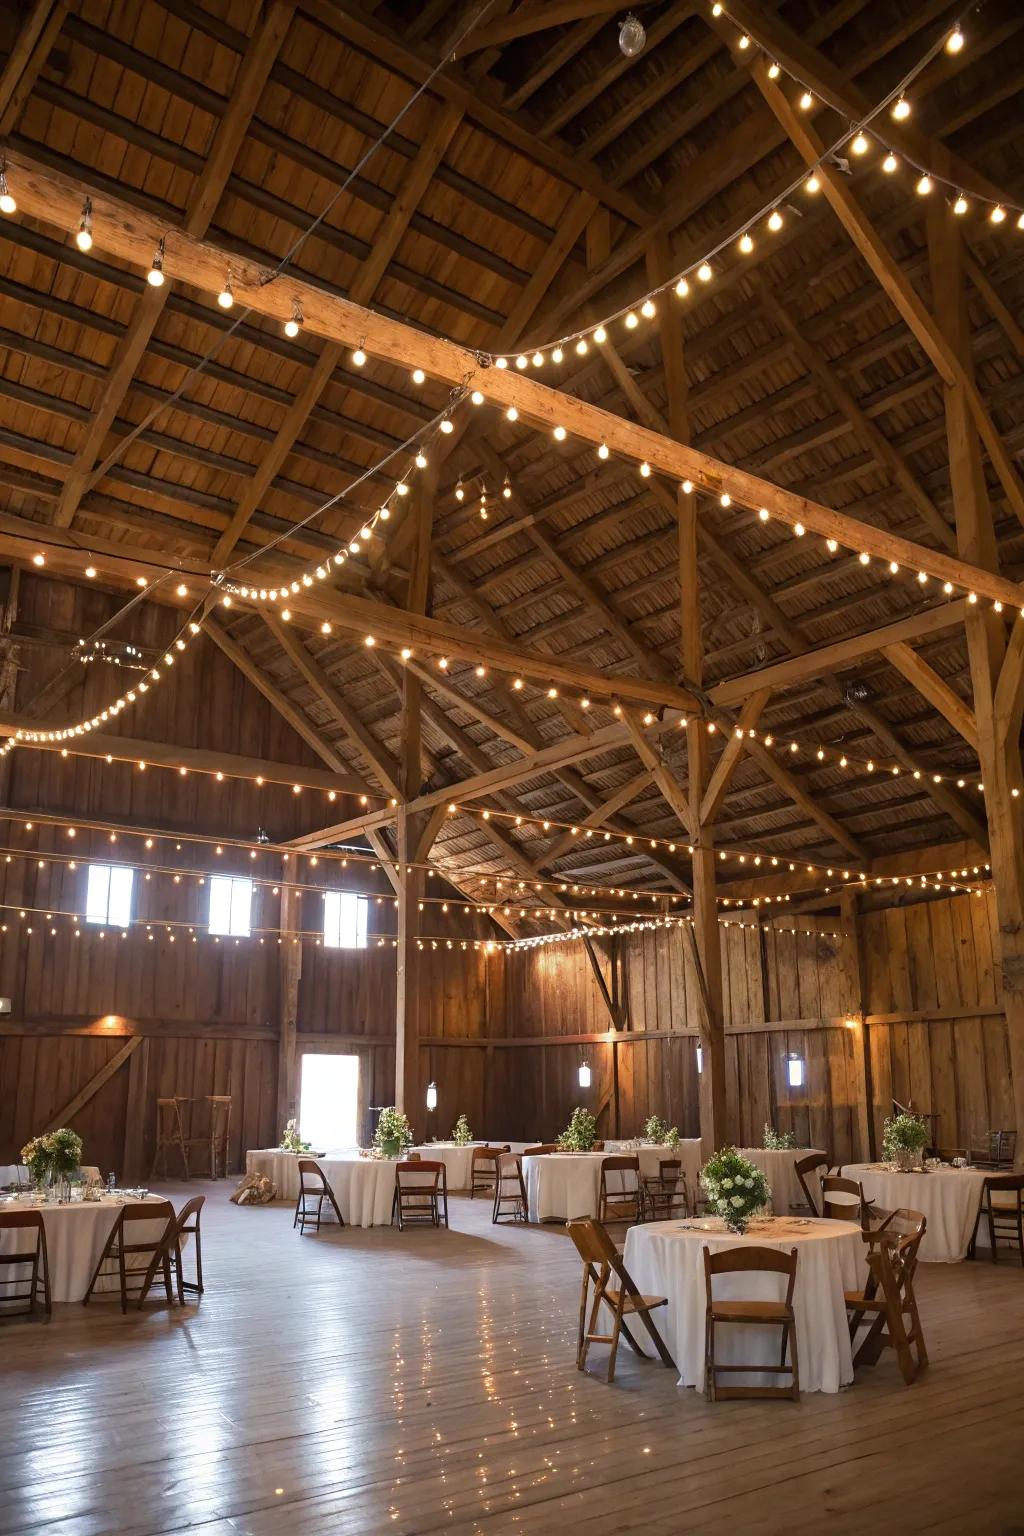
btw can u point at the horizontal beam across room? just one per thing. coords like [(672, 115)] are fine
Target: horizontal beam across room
[(157, 754), (133, 235)]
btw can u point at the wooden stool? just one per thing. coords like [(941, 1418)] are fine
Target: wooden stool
[(170, 1135), (220, 1125)]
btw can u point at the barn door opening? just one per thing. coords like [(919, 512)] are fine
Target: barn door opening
[(328, 1101)]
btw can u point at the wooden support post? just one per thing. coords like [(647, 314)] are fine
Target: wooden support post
[(998, 722), (290, 976), (706, 948), (414, 828), (852, 998)]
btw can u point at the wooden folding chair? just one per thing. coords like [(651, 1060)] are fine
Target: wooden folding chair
[(805, 1169), (888, 1300), (36, 1285), (118, 1248), (622, 1203), (314, 1185), (664, 1193), (842, 1199), (543, 1149), (421, 1194), (510, 1190), (764, 1314), (601, 1262), (1002, 1206), (995, 1150), (187, 1225), (483, 1178)]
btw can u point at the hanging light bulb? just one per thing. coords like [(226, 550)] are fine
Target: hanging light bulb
[(812, 184), (997, 215), (459, 492), (890, 163), (584, 1075), (83, 239), (806, 101), (682, 288), (960, 206), (418, 376), (955, 40), (506, 489), (293, 325), (226, 298), (775, 221), (600, 335), (705, 272), (746, 244), (859, 144), (359, 356), (647, 309), (901, 109), (155, 275), (773, 71), (632, 36), (7, 203)]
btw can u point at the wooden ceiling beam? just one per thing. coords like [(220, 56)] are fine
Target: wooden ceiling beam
[(362, 290), (132, 235), (672, 791), (935, 689), (382, 764), (32, 47), (530, 19), (729, 759), (836, 189), (201, 206), (809, 803)]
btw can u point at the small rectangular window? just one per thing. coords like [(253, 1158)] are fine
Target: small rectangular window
[(344, 920), (230, 905), (108, 896), (795, 1070)]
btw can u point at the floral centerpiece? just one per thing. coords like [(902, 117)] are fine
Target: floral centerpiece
[(291, 1141), (393, 1133), (904, 1139), (581, 1132), (462, 1135), (658, 1133), (778, 1141), (734, 1187), (55, 1156)]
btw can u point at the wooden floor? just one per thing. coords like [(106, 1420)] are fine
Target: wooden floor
[(374, 1381)]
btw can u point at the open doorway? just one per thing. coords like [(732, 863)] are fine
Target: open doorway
[(328, 1099)]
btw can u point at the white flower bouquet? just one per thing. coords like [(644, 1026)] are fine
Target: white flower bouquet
[(735, 1188)]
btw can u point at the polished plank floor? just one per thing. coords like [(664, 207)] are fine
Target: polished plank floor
[(372, 1381)]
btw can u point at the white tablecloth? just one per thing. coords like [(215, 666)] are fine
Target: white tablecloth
[(280, 1166), (17, 1173), (75, 1238), (458, 1161), (561, 1186), (364, 1188), (664, 1259), (687, 1150), (947, 1197), (778, 1169)]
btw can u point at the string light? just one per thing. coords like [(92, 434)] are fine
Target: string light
[(293, 324), (83, 239), (155, 275), (7, 202), (226, 297)]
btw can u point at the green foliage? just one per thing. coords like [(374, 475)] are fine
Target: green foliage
[(58, 1152), (393, 1130), (662, 1135), (581, 1132), (735, 1188), (778, 1141), (291, 1141), (904, 1133), (462, 1135)]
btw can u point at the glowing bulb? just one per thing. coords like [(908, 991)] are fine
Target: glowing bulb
[(155, 275), (603, 451), (890, 163), (764, 514), (581, 347), (998, 214), (7, 203), (743, 42), (704, 272), (600, 335), (682, 288), (512, 414), (501, 362), (812, 184), (446, 427), (557, 355), (418, 376), (955, 41), (806, 101), (960, 206), (924, 186), (83, 239), (647, 309), (901, 109), (359, 357), (746, 244), (38, 559), (775, 221), (90, 571), (687, 487), (559, 434), (292, 326), (859, 144), (538, 359), (773, 71), (226, 298), (631, 321), (645, 469), (521, 361)]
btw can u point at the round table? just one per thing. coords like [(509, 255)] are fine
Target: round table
[(75, 1237), (561, 1186), (947, 1197), (278, 1165), (687, 1150), (458, 1160), (666, 1258), (779, 1169)]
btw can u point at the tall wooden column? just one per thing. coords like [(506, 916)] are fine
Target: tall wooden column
[(413, 830), (852, 1001), (290, 976), (996, 668), (706, 952)]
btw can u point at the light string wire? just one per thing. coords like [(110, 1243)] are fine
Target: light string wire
[(679, 279), (286, 260)]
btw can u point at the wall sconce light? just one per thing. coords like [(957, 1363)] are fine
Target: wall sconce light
[(851, 1021), (431, 1095), (584, 1075), (700, 1058), (795, 1071)]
